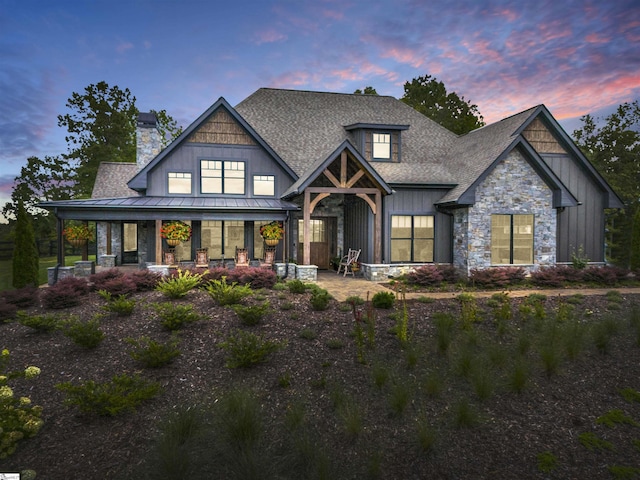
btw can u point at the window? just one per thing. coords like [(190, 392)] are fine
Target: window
[(382, 146), (264, 185), (511, 239), (217, 176), (222, 237), (412, 238), (317, 231), (179, 182)]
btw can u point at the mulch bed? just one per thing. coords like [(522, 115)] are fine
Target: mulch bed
[(512, 431)]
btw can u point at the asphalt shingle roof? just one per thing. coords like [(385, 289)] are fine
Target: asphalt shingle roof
[(111, 180)]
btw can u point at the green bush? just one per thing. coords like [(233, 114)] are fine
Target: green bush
[(174, 317), (177, 286), (320, 299), (25, 261), (40, 323), (383, 300), (152, 354), (225, 293), (251, 315), (120, 394), (245, 349), (18, 418), (121, 305), (85, 334), (296, 286)]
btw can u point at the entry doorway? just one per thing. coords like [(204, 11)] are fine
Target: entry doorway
[(129, 243), (323, 236)]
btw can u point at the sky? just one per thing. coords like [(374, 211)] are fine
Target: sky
[(576, 57)]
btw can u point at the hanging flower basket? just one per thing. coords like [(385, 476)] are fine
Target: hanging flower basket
[(272, 233), (175, 232), (77, 235)]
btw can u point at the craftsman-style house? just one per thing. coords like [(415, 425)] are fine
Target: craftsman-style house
[(347, 171)]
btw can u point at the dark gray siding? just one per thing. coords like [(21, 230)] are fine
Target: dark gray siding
[(187, 159), (358, 227), (420, 201), (581, 226)]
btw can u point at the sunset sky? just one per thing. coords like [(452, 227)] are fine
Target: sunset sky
[(576, 57)]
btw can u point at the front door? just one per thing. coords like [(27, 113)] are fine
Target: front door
[(322, 233)]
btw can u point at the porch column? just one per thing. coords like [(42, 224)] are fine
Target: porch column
[(377, 235), (59, 228), (306, 258), (158, 242)]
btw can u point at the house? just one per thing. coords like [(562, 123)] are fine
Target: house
[(347, 171)]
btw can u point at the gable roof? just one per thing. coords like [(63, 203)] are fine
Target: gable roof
[(305, 128), (475, 154), (139, 181)]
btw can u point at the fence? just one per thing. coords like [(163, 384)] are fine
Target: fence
[(46, 248)]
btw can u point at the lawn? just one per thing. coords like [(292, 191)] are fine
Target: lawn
[(530, 388), (6, 269)]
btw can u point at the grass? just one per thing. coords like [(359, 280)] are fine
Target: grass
[(6, 269)]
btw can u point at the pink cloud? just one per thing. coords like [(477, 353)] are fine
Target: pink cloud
[(596, 38), (269, 36), (124, 46), (404, 55), (508, 14)]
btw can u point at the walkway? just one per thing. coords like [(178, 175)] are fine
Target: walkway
[(342, 287)]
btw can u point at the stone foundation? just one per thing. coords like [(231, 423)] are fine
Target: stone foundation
[(306, 273), (381, 272)]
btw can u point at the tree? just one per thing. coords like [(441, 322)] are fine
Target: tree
[(612, 145), (102, 127), (25, 253), (429, 96), (367, 91), (51, 178), (99, 127)]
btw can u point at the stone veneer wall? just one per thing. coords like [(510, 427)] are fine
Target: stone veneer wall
[(512, 187)]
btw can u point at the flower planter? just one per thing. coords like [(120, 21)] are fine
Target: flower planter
[(77, 242), (172, 242), (271, 242)]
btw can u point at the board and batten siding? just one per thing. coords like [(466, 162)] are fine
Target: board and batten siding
[(583, 225), (187, 159), (420, 201), (358, 228)]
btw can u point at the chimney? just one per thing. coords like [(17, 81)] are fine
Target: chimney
[(148, 139)]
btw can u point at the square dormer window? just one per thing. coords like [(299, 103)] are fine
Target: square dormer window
[(382, 146)]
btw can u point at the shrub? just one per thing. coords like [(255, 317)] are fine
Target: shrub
[(497, 277), (225, 293), (174, 317), (320, 299), (104, 276), (605, 275), (152, 354), (121, 305), (252, 314), (85, 334), (120, 394), (246, 349), (179, 284), (383, 300), (8, 311), (145, 280), (22, 297), (120, 286), (354, 300), (255, 277), (18, 419), (40, 323), (296, 286), (427, 275), (66, 293), (25, 252)]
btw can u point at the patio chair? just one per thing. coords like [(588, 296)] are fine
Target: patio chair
[(241, 258), (348, 260), (169, 257), (202, 258), (269, 257)]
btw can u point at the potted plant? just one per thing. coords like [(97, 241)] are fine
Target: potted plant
[(175, 232), (77, 235), (272, 233)]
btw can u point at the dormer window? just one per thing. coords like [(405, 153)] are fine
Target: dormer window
[(382, 146), (378, 142)]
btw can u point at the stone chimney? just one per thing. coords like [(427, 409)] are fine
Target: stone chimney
[(148, 139)]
